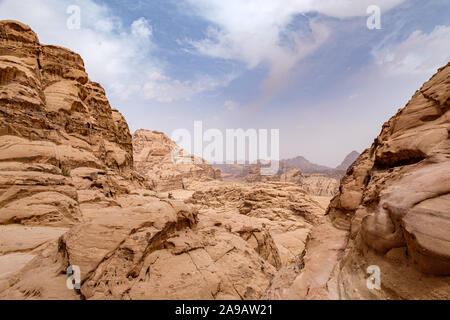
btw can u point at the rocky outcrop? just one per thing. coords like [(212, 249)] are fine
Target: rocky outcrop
[(319, 185), (46, 96), (254, 175), (62, 147), (395, 202), (58, 133), (70, 196), (69, 192), (161, 161), (317, 180), (292, 176), (274, 218), (313, 184)]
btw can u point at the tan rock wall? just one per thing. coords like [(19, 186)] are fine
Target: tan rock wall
[(395, 199)]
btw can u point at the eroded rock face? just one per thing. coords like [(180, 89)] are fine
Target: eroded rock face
[(285, 226), (313, 184), (55, 124), (160, 160), (275, 218), (68, 191), (319, 185), (395, 202), (61, 146)]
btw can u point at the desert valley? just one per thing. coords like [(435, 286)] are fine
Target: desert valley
[(77, 188)]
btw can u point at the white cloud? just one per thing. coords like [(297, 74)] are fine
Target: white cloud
[(419, 54), (257, 32), (141, 28), (105, 26), (121, 58), (231, 105), (159, 87)]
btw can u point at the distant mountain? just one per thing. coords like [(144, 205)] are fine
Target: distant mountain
[(348, 161), (308, 167), (305, 165)]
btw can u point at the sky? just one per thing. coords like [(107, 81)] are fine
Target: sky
[(312, 69)]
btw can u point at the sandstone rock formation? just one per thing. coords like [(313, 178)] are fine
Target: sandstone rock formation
[(292, 176), (254, 175), (58, 134), (319, 185), (70, 194), (313, 184), (61, 146), (236, 170), (68, 190), (275, 218), (320, 180), (161, 161), (395, 202), (233, 171)]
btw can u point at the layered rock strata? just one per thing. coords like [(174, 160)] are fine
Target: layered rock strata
[(395, 202), (167, 166), (69, 196)]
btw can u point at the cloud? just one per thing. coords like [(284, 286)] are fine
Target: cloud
[(124, 59), (258, 32), (231, 105), (419, 54), (141, 28), (161, 88), (120, 57), (164, 89)]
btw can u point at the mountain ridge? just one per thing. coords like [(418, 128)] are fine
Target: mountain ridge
[(300, 162)]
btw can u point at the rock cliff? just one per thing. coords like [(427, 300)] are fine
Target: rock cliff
[(395, 202), (164, 164), (58, 134), (313, 184), (76, 189), (69, 191)]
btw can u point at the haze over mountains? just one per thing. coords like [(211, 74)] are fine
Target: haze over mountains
[(348, 161), (301, 163), (308, 167)]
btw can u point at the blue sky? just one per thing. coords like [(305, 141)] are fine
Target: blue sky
[(309, 68)]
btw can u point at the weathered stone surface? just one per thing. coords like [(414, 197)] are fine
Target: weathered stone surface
[(319, 185), (53, 120), (396, 197), (70, 195), (275, 218), (313, 184), (62, 148), (69, 191), (160, 160)]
